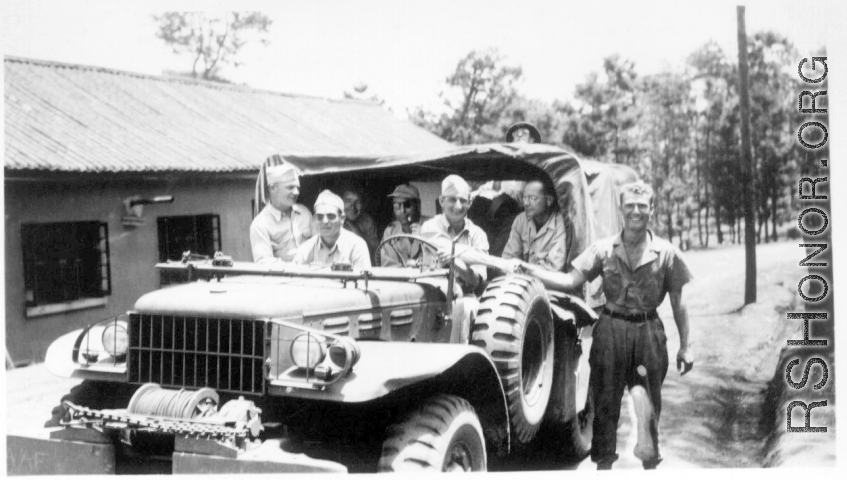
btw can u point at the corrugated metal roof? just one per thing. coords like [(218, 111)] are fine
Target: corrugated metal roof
[(73, 118)]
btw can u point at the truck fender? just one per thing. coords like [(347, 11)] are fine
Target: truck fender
[(408, 369), (59, 359), (571, 309)]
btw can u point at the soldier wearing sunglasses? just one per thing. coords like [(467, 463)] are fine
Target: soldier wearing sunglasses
[(406, 203), (333, 244)]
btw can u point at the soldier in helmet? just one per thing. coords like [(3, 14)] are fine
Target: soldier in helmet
[(523, 132)]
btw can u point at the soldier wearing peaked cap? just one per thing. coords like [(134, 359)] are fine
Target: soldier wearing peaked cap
[(283, 224), (406, 203)]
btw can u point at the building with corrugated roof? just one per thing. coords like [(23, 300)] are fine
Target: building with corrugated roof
[(83, 143)]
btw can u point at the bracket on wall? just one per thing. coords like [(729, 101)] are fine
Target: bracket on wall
[(134, 206)]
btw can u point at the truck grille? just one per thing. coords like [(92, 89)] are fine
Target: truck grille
[(226, 354)]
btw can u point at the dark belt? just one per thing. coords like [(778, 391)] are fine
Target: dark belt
[(632, 317)]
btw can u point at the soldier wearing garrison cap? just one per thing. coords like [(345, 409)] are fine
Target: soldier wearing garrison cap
[(333, 244), (283, 224)]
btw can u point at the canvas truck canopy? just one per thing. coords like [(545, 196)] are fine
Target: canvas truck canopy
[(586, 189)]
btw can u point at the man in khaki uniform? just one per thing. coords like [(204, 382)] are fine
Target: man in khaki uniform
[(629, 348), (357, 220), (283, 224), (333, 244), (538, 234), (453, 224), (406, 204)]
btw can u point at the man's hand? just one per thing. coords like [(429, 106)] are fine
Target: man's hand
[(443, 255), (515, 265), (524, 267), (684, 361)]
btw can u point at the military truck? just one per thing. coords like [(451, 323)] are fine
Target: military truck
[(285, 368)]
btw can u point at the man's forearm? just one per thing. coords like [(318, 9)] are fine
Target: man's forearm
[(555, 280), (680, 316)]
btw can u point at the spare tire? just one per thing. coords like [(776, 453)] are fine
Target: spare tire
[(515, 327)]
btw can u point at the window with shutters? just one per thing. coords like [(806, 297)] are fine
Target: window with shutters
[(198, 234), (66, 266)]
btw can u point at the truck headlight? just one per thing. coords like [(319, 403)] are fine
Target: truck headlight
[(115, 339), (307, 351)]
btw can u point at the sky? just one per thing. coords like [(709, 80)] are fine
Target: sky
[(405, 50)]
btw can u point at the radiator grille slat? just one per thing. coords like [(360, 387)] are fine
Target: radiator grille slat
[(226, 354)]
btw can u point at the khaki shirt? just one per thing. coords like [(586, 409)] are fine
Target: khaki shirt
[(276, 235), (438, 230), (349, 248), (364, 227), (544, 246), (643, 288), (407, 247)]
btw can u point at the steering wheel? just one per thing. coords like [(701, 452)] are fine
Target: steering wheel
[(390, 242)]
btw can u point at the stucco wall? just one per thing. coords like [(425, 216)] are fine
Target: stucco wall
[(133, 251)]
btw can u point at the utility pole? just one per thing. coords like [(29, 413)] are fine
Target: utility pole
[(746, 166)]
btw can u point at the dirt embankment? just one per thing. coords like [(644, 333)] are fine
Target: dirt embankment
[(795, 449)]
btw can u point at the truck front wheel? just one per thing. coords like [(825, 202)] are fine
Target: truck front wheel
[(441, 434), (515, 327)]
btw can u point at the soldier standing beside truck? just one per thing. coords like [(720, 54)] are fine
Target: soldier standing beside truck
[(629, 348)]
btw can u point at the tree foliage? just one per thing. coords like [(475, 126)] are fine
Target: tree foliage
[(679, 129), (212, 42), (480, 91)]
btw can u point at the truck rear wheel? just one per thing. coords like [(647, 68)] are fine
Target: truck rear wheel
[(514, 325), (441, 434)]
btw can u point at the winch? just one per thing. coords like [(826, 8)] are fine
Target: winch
[(183, 413)]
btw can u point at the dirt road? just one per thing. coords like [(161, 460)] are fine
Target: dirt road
[(710, 418)]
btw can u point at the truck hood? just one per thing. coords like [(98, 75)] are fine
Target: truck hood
[(259, 297)]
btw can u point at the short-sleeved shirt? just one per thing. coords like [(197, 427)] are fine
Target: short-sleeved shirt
[(349, 248), (365, 227), (663, 269), (407, 247), (277, 235), (438, 230), (543, 246)]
